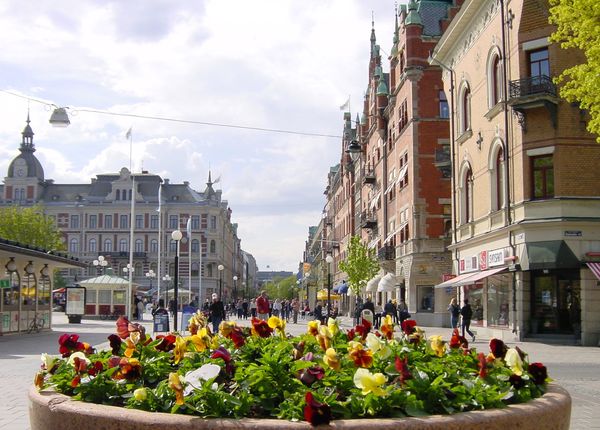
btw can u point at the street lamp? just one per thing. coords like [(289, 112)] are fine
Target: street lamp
[(176, 236), (100, 262), (220, 267), (235, 278), (167, 280), (128, 270), (328, 260), (151, 275)]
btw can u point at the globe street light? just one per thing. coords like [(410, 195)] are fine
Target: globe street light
[(151, 275), (167, 280), (220, 267), (100, 262), (329, 260), (176, 236), (235, 278)]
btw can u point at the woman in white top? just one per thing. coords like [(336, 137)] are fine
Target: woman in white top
[(277, 307)]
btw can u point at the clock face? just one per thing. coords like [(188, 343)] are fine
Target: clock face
[(20, 167)]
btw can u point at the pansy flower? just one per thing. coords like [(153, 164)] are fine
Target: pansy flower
[(261, 328), (324, 337), (238, 338), (200, 340), (513, 361), (195, 378), (123, 327), (316, 413), (350, 334), (378, 346), (333, 326), (313, 327), (226, 327), (140, 394), (276, 323), (196, 322), (38, 381), (538, 373), (437, 345), (369, 382), (115, 344), (131, 343), (167, 342), (176, 384), (222, 353), (332, 359), (458, 341), (498, 348), (402, 368), (49, 362), (416, 336), (129, 368), (363, 329), (387, 327), (311, 374), (298, 351), (408, 327), (360, 356), (77, 356), (70, 343), (482, 364), (516, 381), (180, 349)]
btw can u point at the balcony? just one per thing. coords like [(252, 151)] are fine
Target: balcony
[(530, 93), (368, 220), (386, 253), (369, 177), (442, 161), (124, 254)]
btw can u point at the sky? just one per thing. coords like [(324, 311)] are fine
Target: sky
[(271, 64)]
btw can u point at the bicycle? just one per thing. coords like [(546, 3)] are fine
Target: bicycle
[(113, 315), (36, 324)]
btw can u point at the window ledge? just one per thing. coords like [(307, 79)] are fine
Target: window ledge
[(464, 136), (495, 110)]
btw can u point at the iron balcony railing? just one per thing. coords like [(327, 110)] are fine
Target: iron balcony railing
[(386, 253), (534, 85), (368, 219)]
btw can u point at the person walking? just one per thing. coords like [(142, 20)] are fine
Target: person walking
[(217, 312), (253, 308), (466, 312), (262, 306), (295, 310), (454, 310)]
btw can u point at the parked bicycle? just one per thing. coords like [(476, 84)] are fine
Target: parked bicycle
[(36, 324), (115, 314)]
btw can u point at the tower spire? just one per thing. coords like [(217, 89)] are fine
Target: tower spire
[(27, 140), (373, 38)]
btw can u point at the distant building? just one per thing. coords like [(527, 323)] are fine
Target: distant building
[(95, 219)]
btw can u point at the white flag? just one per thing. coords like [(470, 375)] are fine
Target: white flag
[(189, 227), (345, 105), (217, 180), (128, 134), (159, 197)]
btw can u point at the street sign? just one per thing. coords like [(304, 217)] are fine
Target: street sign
[(161, 322)]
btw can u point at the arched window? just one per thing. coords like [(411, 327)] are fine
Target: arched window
[(466, 194), (92, 245), (495, 79), (500, 199), (74, 245), (153, 267), (209, 271), (118, 195), (213, 247), (137, 269), (195, 267), (195, 245), (464, 119), (123, 245), (107, 245), (139, 245), (154, 245)]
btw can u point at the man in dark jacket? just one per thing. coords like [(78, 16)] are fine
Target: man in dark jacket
[(466, 313), (217, 312)]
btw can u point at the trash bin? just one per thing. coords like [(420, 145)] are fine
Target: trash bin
[(366, 314), (74, 319)]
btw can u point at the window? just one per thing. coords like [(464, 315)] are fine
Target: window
[(499, 172), (195, 245), (444, 110), (464, 119), (213, 247), (137, 269), (118, 195), (209, 271), (543, 177), (74, 245), (123, 245), (539, 64), (139, 245), (139, 221), (107, 245), (92, 245), (425, 298), (93, 221), (495, 80), (173, 246), (154, 245), (195, 222), (124, 223), (466, 195), (108, 221), (154, 222), (173, 221), (213, 222), (74, 221), (195, 270)]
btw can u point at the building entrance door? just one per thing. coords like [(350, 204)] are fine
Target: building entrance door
[(555, 304)]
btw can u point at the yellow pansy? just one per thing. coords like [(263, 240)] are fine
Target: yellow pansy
[(438, 345), (313, 327), (369, 382), (140, 394), (378, 346), (333, 326), (201, 340), (276, 323), (180, 349), (513, 361), (79, 355), (176, 384), (332, 359), (226, 327)]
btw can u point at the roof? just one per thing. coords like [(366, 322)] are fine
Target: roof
[(106, 280), (34, 251)]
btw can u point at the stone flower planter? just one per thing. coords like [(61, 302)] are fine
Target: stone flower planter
[(49, 410)]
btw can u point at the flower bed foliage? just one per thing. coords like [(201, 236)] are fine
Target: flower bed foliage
[(321, 375)]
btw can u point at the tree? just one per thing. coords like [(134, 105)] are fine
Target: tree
[(281, 288), (577, 27), (360, 265), (29, 226)]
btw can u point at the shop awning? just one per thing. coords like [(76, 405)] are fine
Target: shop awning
[(343, 288), (551, 254), (452, 282), (372, 284), (595, 268), (386, 283), (478, 276)]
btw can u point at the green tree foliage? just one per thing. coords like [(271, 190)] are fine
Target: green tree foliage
[(282, 288), (360, 265), (578, 26), (30, 226)]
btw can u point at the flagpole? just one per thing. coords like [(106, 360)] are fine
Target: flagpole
[(131, 230), (159, 274), (189, 234)]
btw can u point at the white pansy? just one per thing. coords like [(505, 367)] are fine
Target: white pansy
[(195, 378)]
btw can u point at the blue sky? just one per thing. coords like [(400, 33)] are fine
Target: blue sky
[(277, 64)]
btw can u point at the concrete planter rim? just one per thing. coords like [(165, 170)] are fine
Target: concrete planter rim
[(49, 410)]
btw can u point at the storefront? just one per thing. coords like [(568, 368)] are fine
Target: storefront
[(26, 284)]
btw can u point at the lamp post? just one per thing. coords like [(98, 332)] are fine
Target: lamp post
[(128, 270), (235, 278), (167, 279), (151, 275), (328, 260), (176, 236), (220, 267), (100, 262), (306, 276)]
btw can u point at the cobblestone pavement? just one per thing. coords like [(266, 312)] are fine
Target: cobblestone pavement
[(575, 368)]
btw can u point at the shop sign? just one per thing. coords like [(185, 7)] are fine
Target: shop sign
[(483, 260), (4, 283), (468, 264), (573, 233), (495, 258)]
